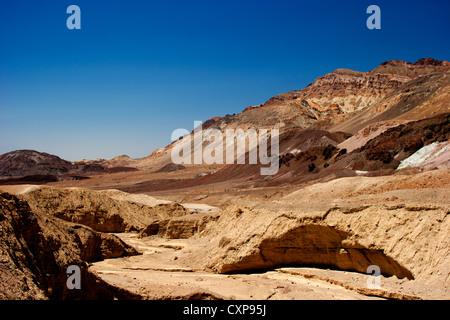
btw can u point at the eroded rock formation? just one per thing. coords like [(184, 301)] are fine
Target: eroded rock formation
[(37, 249)]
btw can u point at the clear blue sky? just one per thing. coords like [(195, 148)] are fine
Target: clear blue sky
[(139, 69)]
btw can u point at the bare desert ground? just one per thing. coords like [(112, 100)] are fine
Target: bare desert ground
[(306, 242)]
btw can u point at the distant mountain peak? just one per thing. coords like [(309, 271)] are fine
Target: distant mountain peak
[(421, 62), (31, 162), (342, 91), (422, 67), (432, 62)]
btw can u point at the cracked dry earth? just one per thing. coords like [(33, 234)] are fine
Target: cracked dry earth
[(159, 273)]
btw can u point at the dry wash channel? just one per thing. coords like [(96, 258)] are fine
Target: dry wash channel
[(314, 243)]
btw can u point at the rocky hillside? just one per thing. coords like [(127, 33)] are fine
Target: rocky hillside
[(420, 98), (29, 166), (36, 249), (412, 70), (29, 162), (308, 155), (345, 101), (341, 101), (335, 94), (353, 91)]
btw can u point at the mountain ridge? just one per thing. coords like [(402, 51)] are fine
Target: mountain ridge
[(340, 101)]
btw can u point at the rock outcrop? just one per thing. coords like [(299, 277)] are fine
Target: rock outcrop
[(30, 166), (103, 211), (420, 98), (345, 224), (347, 101), (37, 249), (29, 162), (183, 227)]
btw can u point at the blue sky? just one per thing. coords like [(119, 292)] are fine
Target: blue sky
[(137, 70)]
